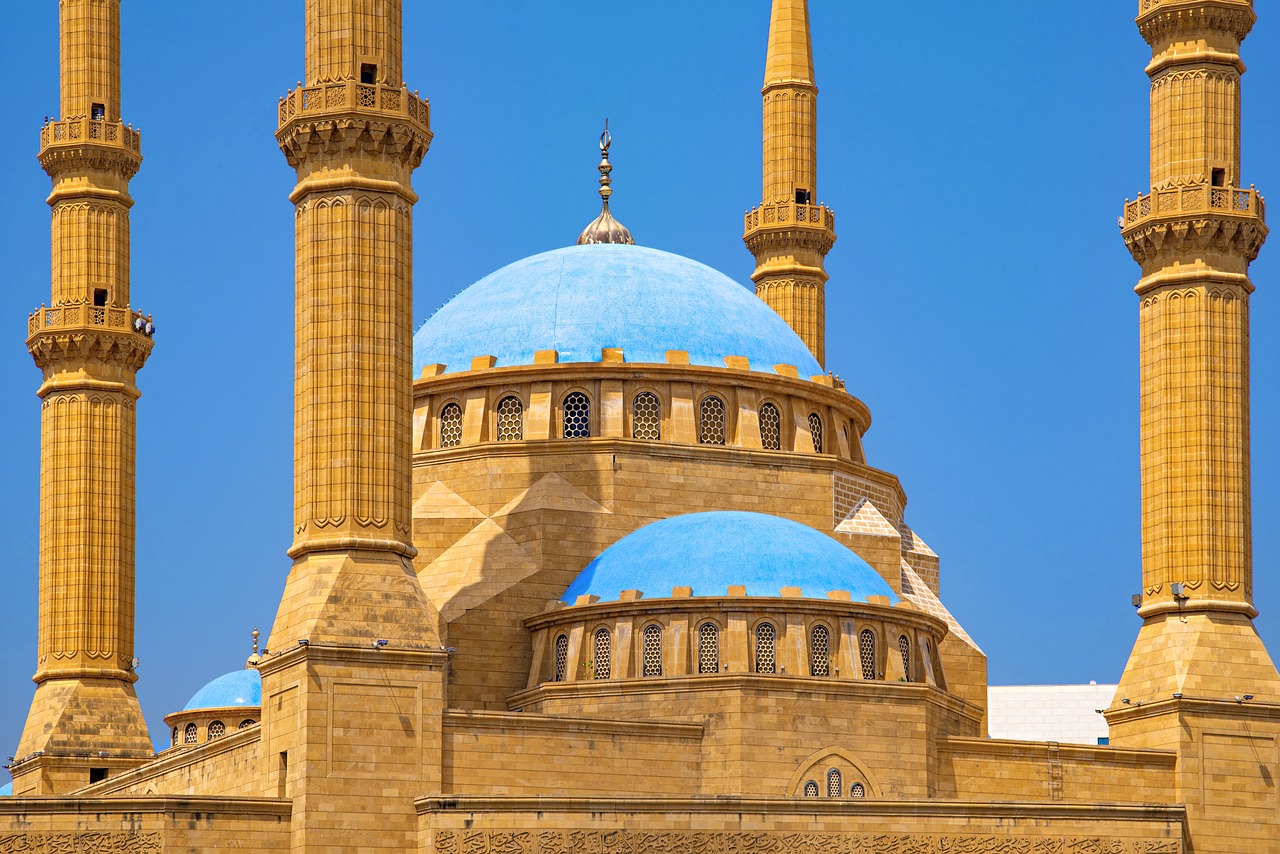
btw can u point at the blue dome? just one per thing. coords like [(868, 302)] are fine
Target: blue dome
[(6, 791), (583, 299), (712, 551), (242, 688)]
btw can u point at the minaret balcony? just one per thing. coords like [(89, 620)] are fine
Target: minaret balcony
[(91, 317), (326, 100), (774, 226), (1165, 225), (81, 130), (1176, 203)]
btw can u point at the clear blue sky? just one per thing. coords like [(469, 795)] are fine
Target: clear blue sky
[(980, 302)]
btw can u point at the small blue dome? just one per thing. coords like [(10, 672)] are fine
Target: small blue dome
[(6, 791), (241, 688), (583, 299), (712, 551)]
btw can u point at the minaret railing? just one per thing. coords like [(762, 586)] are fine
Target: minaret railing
[(73, 316), (352, 95), (90, 130), (789, 213), (1193, 199)]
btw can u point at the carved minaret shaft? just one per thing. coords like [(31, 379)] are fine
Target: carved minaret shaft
[(90, 345), (1199, 677), (790, 234)]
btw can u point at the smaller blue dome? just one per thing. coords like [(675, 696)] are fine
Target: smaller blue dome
[(711, 552), (6, 791), (242, 688)]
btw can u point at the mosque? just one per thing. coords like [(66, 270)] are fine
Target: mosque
[(595, 561)]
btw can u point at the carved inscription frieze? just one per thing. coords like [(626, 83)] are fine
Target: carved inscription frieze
[(635, 842), (81, 843)]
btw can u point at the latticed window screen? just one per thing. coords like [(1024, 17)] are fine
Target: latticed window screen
[(711, 422), (766, 649), (604, 654), (510, 420), (820, 651), (815, 430), (708, 648), (857, 790), (217, 729), (577, 416), (904, 646), (646, 417), (562, 656), (247, 723), (867, 653), (835, 787), (189, 735), (810, 789), (451, 426), (770, 428), (652, 660)]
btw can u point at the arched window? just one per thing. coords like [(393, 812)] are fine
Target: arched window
[(245, 724), (857, 790), (604, 654), (451, 426), (577, 416), (189, 734), (646, 417), (766, 648), (711, 421), (835, 787), (867, 653), (510, 420), (770, 428), (904, 646), (652, 658), (174, 742), (810, 789), (562, 656), (708, 648), (815, 430), (820, 651), (217, 729)]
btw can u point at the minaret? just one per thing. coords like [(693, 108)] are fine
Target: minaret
[(1199, 680), (355, 647), (85, 721), (790, 234)]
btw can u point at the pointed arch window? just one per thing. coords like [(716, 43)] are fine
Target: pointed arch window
[(766, 648), (867, 653), (577, 416), (510, 419), (711, 421), (646, 417), (562, 656), (708, 648), (820, 651), (770, 428), (815, 431), (451, 426), (651, 662), (835, 786), (904, 646), (603, 664)]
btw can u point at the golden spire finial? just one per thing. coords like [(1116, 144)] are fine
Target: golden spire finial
[(605, 229), (255, 659)]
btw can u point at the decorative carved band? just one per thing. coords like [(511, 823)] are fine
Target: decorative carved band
[(82, 843), (125, 348), (402, 140), (1160, 20), (634, 842), (787, 213), (1154, 241), (340, 96)]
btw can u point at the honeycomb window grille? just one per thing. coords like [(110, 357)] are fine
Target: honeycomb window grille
[(711, 421), (815, 430), (245, 724), (510, 420), (646, 417), (835, 786), (577, 416), (766, 648), (810, 789), (451, 426), (217, 729), (562, 656), (652, 658), (189, 734), (770, 428), (857, 790), (820, 651), (904, 646), (867, 653), (708, 648), (604, 654)]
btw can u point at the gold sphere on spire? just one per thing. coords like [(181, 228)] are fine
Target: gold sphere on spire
[(606, 229)]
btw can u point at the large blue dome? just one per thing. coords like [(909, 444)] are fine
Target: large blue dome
[(712, 551), (241, 688), (583, 299)]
